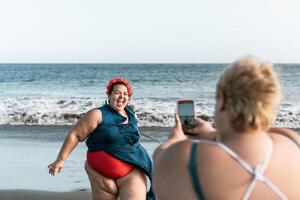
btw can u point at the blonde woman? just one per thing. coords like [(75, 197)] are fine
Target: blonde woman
[(243, 158)]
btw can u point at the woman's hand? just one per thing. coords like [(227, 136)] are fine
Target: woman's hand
[(56, 167), (175, 136), (202, 130), (177, 132)]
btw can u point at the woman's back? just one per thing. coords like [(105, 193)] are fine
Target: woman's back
[(223, 177)]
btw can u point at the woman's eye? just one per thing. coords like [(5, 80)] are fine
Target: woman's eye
[(119, 93)]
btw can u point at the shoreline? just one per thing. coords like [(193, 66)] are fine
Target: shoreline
[(57, 133), (26, 152), (4, 127)]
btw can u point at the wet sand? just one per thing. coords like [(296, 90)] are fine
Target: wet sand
[(43, 195), (39, 149)]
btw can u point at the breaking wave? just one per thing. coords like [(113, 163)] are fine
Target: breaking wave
[(150, 112)]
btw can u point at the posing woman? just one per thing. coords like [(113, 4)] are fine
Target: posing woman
[(117, 165)]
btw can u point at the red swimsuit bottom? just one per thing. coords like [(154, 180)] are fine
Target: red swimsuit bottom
[(107, 165)]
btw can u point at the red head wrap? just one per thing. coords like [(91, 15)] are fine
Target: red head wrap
[(118, 79)]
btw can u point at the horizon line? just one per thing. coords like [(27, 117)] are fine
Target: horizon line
[(131, 63)]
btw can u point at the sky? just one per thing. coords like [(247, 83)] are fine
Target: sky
[(148, 31)]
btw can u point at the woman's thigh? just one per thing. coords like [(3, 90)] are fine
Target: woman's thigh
[(102, 188), (133, 186)]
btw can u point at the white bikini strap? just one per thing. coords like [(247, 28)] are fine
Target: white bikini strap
[(230, 152), (257, 171), (275, 189), (236, 157)]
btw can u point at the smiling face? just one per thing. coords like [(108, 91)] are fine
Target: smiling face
[(118, 98)]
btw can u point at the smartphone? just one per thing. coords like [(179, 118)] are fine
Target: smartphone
[(186, 112)]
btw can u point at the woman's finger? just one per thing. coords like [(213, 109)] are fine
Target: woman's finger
[(56, 170), (49, 166), (177, 121), (199, 121)]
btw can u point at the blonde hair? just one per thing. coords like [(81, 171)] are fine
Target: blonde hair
[(251, 92)]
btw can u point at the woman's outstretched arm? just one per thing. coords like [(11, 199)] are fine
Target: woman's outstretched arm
[(78, 133)]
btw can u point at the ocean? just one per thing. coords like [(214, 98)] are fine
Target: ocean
[(57, 94), (40, 102)]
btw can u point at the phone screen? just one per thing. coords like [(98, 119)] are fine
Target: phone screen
[(186, 113), (186, 109)]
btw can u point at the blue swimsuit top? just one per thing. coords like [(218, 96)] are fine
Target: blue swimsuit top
[(121, 140)]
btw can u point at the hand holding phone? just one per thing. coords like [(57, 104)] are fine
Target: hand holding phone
[(186, 112)]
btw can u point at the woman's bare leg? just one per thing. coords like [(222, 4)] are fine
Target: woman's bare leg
[(102, 188), (133, 186)]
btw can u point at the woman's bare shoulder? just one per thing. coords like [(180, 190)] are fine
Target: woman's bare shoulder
[(178, 155), (87, 124), (285, 133), (93, 115), (174, 153), (94, 111), (172, 159), (172, 166)]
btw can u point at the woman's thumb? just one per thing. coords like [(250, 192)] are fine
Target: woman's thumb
[(177, 121)]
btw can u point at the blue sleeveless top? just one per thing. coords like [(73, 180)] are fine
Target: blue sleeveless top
[(121, 140)]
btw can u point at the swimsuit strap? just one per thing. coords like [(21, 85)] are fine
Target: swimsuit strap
[(193, 172), (291, 138), (256, 171)]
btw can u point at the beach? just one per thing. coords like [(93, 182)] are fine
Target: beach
[(40, 102), (43, 195), (26, 152)]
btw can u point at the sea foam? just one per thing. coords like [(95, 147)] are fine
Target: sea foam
[(150, 112)]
